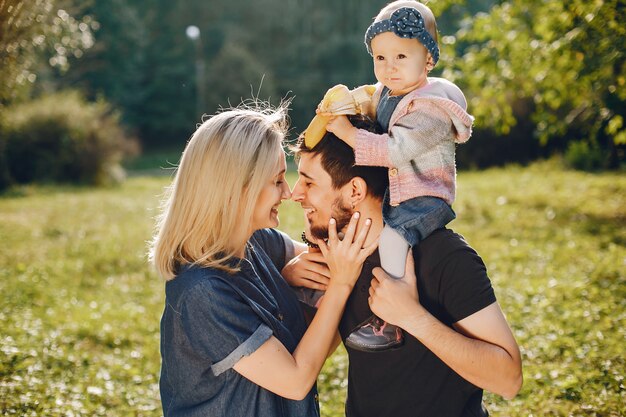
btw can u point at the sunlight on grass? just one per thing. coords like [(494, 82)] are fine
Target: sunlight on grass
[(80, 311)]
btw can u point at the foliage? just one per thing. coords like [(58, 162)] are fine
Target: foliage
[(581, 155), (116, 64), (232, 78), (538, 74), (32, 32), (561, 64), (63, 138), (79, 316), (5, 178), (143, 62)]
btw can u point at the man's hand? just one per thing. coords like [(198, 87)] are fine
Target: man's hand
[(395, 300), (308, 270)]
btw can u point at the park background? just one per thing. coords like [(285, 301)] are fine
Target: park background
[(98, 98)]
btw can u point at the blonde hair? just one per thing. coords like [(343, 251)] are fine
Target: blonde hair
[(206, 214), (427, 14)]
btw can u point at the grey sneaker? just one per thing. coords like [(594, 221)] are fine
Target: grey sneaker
[(374, 335)]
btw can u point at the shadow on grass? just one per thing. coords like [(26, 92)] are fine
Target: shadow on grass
[(612, 229)]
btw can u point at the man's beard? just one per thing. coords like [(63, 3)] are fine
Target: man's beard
[(341, 212)]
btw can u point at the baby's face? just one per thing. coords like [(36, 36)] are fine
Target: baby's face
[(399, 63)]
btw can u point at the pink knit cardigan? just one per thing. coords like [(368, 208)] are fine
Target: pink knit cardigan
[(420, 145)]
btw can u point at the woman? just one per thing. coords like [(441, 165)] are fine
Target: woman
[(233, 337)]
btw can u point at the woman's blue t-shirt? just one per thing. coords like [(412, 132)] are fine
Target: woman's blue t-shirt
[(213, 319)]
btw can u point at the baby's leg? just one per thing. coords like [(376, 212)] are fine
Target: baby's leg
[(374, 334), (393, 250)]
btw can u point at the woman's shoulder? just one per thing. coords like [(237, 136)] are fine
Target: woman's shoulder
[(269, 237), (193, 277), (263, 235), (275, 244)]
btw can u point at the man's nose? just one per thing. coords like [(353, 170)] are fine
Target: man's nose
[(297, 194)]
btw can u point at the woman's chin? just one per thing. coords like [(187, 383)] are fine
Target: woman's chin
[(274, 221), (270, 223)]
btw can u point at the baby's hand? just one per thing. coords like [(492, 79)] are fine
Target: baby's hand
[(342, 128)]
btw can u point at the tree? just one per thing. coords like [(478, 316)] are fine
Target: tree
[(35, 29), (143, 63), (561, 63)]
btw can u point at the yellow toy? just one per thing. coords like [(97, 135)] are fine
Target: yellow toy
[(338, 100)]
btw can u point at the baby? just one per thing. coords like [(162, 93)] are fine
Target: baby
[(424, 118)]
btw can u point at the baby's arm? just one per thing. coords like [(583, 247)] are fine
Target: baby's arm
[(412, 137), (338, 102), (343, 129)]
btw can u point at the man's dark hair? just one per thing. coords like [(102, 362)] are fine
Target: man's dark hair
[(337, 159)]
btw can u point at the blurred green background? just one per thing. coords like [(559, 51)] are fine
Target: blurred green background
[(98, 98), (541, 77)]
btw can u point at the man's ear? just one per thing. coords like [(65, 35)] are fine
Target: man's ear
[(358, 191)]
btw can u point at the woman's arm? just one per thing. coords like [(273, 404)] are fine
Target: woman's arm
[(292, 376)]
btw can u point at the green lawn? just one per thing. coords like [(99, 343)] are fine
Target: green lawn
[(79, 315)]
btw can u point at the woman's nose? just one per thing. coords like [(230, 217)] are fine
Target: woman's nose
[(286, 194)]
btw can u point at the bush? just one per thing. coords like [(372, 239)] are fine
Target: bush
[(5, 179), (584, 156), (63, 138)]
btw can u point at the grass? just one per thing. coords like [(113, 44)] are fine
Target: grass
[(79, 315)]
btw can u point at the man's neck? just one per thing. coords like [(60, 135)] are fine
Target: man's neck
[(371, 209)]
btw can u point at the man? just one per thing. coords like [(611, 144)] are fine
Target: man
[(457, 341)]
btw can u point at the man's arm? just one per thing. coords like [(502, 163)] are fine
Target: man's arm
[(298, 247), (482, 349), (307, 269)]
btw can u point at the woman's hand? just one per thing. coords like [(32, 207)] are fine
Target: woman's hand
[(308, 270), (345, 257)]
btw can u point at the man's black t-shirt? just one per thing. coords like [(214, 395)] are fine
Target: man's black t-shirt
[(410, 380)]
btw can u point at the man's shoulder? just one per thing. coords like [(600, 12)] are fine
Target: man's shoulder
[(445, 239), (442, 244)]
